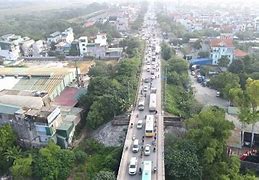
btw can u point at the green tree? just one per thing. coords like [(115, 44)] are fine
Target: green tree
[(224, 61), (181, 160), (253, 94), (74, 50), (53, 162), (204, 54), (240, 99), (230, 81), (237, 66), (105, 175), (209, 131), (22, 167), (7, 142), (12, 153), (80, 156), (166, 51), (197, 44)]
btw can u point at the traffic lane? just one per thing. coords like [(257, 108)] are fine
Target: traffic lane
[(207, 96), (139, 133)]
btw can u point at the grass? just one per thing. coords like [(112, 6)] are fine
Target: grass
[(171, 93)]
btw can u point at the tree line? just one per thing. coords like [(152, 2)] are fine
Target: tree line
[(91, 160), (111, 89), (179, 98)]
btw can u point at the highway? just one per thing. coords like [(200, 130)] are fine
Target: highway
[(151, 35)]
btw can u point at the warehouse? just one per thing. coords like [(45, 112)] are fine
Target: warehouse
[(50, 80)]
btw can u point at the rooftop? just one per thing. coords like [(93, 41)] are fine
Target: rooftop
[(68, 97), (240, 53), (221, 42), (8, 109), (22, 101)]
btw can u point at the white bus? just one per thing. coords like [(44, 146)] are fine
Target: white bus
[(152, 102), (141, 104), (149, 128), (147, 170)]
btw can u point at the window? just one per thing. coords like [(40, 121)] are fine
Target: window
[(83, 44), (83, 49)]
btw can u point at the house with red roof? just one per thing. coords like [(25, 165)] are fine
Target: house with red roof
[(239, 54), (221, 47)]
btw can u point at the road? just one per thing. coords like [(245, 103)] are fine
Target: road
[(155, 156), (207, 96)]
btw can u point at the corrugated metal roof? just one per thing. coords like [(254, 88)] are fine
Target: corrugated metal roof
[(8, 109)]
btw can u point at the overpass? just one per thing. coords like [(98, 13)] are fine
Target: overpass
[(154, 80)]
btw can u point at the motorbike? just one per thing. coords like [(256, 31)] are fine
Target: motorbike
[(155, 169)]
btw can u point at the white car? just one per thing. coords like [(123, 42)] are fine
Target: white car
[(133, 166), (153, 77), (147, 150), (139, 124), (145, 88)]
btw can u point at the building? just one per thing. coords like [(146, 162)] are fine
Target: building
[(113, 53), (83, 41), (35, 120), (101, 38), (67, 36), (220, 47), (54, 38), (95, 50), (38, 48), (26, 47), (50, 80), (9, 47), (239, 54)]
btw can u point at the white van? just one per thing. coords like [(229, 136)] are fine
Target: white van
[(133, 166), (135, 147)]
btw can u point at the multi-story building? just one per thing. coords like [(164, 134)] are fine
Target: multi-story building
[(26, 47), (67, 36), (37, 48), (9, 47), (34, 119), (220, 47), (54, 37), (83, 41)]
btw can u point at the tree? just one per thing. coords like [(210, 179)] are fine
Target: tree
[(197, 44), (237, 66), (22, 167), (7, 141), (166, 51), (209, 131), (105, 175), (204, 54), (224, 61), (74, 50), (181, 160), (230, 81), (53, 162), (240, 99), (253, 94), (80, 156)]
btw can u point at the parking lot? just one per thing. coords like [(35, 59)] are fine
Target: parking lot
[(205, 95)]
